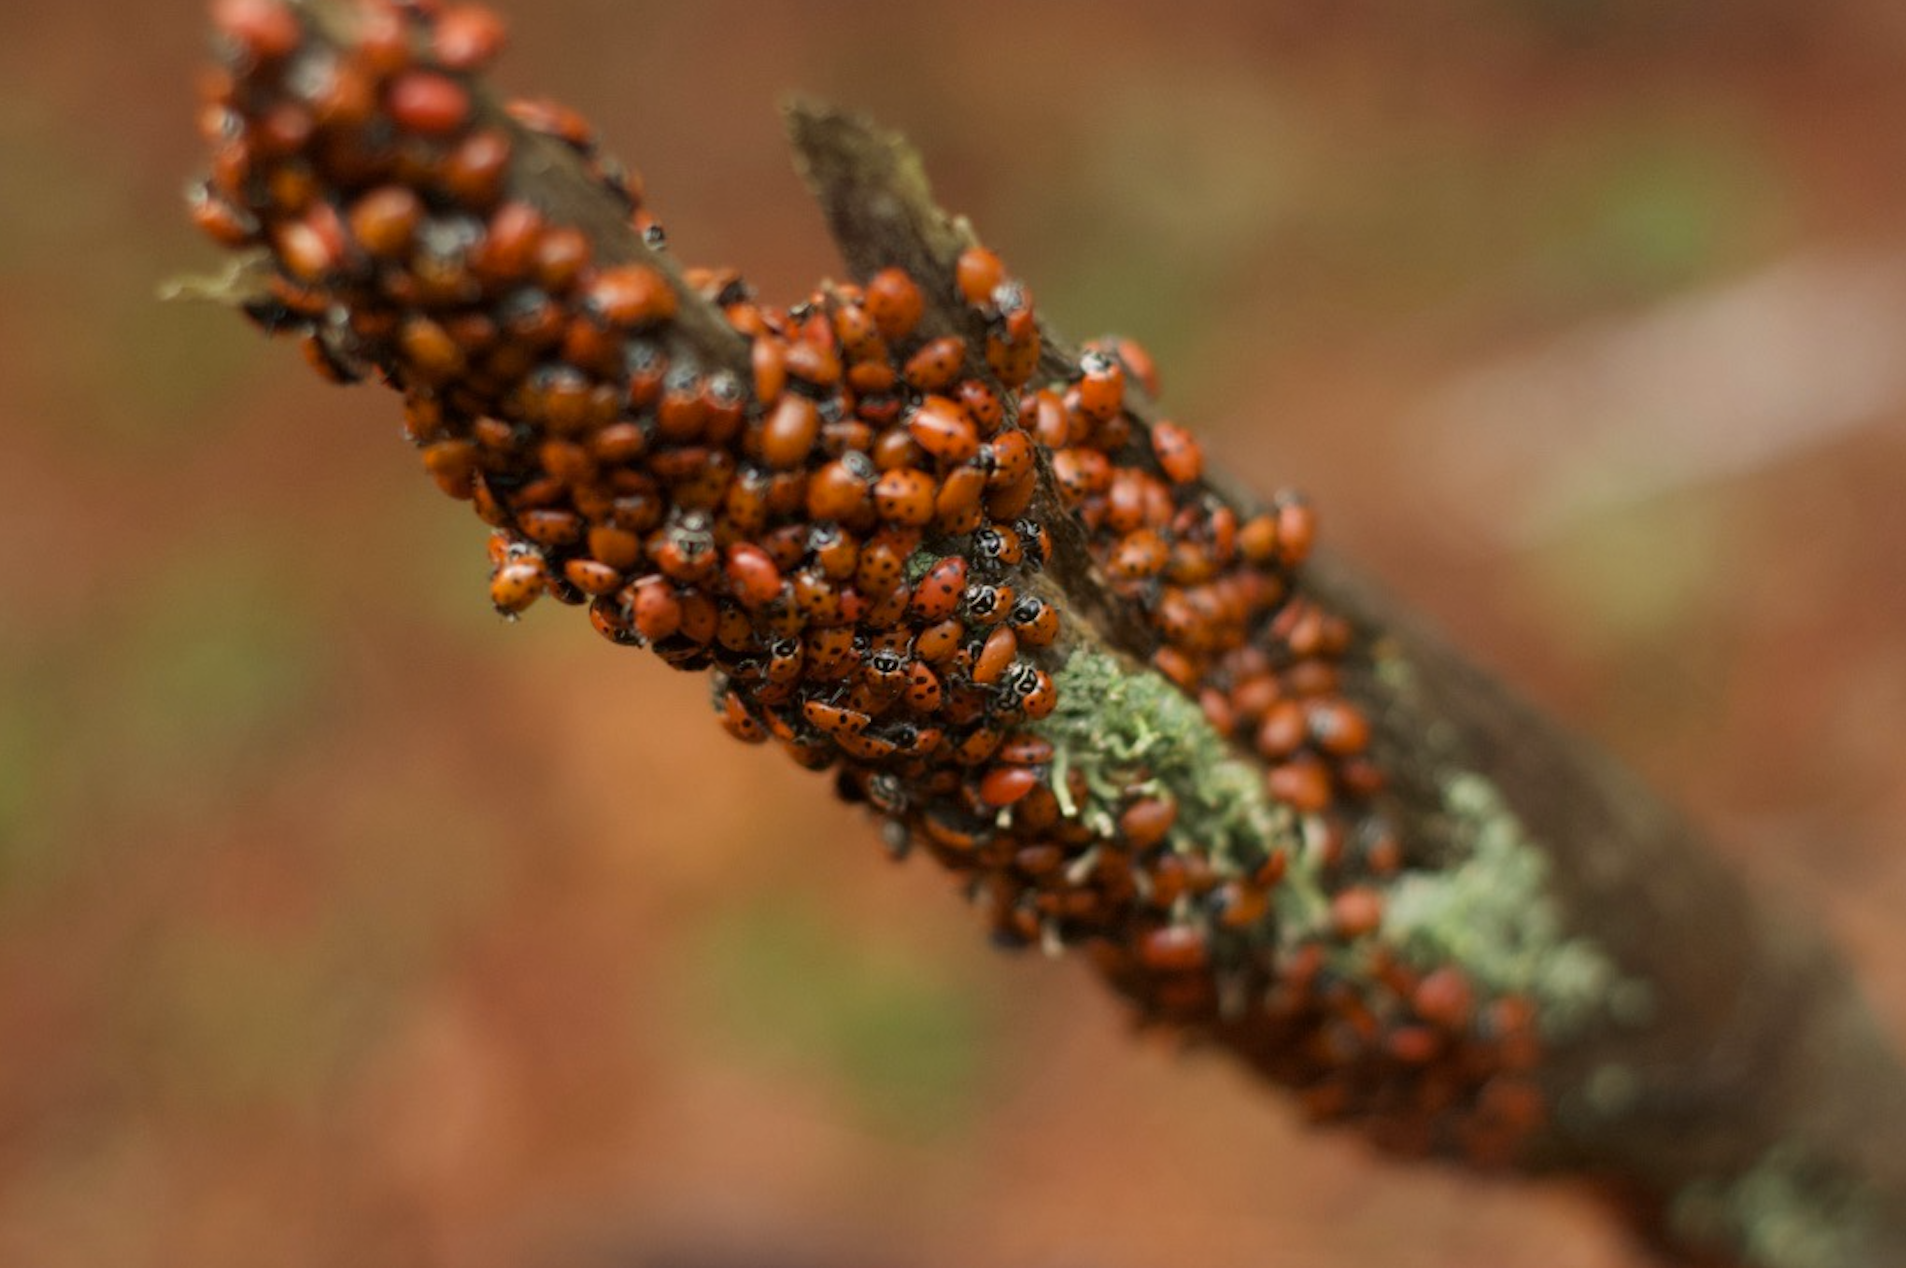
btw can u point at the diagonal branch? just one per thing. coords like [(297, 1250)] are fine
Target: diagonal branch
[(1005, 603), (1739, 1089)]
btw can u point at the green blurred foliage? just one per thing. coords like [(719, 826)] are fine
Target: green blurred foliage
[(165, 704), (797, 992)]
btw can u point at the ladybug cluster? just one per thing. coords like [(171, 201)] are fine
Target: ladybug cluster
[(845, 509)]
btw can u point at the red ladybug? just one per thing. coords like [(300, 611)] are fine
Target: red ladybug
[(518, 582)]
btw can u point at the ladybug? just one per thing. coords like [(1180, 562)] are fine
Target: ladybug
[(654, 608), (1011, 501), (883, 567), (1169, 880), (1101, 386), (559, 258), (384, 221), (885, 668), (1023, 748), (1003, 785), (833, 721), (1296, 529), (996, 654), (1237, 905), (466, 37), (258, 30), (1338, 727), (1145, 821), (786, 659), (1070, 470), (427, 102), (835, 552), (938, 643), (952, 830), (1014, 362), (936, 595), (1139, 556), (632, 296), (942, 427), (550, 527), (813, 361), (752, 575), (768, 359), (507, 252), (894, 447), (977, 273), (1445, 999), (740, 723), (592, 577), (744, 506), (553, 119), (957, 507), (905, 496), (1137, 361), (683, 412), (936, 365), (484, 501), (997, 548), (895, 303), (475, 171), (830, 653), (518, 582), (923, 692), (1356, 911), (1038, 697), (429, 353), (1302, 783), (978, 745), (842, 488), (1011, 683), (1012, 314), (685, 549), (1126, 509), (988, 604), (734, 629), (1173, 948), (859, 337), (917, 741), (814, 754), (1011, 456), (873, 381), (722, 287), (1035, 621), (982, 404), (610, 618), (788, 432), (1178, 453)]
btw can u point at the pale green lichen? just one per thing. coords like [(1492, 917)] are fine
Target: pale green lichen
[(1392, 667), (1783, 1213), (1488, 911), (919, 563), (1132, 732), (1612, 1089)]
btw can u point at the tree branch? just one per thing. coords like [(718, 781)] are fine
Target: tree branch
[(968, 567), (1740, 1088)]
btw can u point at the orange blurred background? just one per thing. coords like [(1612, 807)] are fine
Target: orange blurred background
[(343, 923)]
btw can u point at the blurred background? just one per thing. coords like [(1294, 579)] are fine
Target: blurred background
[(343, 923)]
